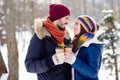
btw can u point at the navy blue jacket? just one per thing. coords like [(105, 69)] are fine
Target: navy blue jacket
[(88, 62), (39, 60)]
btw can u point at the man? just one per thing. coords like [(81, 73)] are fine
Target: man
[(49, 34)]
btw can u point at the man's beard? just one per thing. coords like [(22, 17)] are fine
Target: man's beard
[(61, 28)]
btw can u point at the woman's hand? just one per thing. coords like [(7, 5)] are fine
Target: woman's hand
[(70, 58)]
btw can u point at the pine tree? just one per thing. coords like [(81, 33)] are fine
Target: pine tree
[(112, 41)]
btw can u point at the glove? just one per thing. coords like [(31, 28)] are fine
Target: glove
[(58, 58), (70, 58)]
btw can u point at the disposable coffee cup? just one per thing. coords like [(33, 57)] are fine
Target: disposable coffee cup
[(59, 50), (60, 54), (68, 49)]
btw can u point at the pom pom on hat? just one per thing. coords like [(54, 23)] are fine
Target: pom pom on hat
[(57, 11)]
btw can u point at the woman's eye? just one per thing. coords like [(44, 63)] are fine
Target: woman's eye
[(76, 23)]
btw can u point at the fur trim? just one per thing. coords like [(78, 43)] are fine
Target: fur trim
[(38, 27), (41, 31)]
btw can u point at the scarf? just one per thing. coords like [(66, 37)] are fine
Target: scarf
[(55, 31), (82, 39)]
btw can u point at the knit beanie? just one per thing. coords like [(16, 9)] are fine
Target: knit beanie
[(89, 26), (57, 11), (87, 23)]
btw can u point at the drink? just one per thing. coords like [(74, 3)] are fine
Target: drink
[(59, 50), (60, 54), (68, 49)]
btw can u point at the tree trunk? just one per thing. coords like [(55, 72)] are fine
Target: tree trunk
[(118, 1), (115, 57), (93, 13), (116, 68), (11, 40), (3, 68), (85, 11), (32, 15), (115, 63), (112, 4)]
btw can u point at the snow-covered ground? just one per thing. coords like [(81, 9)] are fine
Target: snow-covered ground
[(22, 50), (23, 42)]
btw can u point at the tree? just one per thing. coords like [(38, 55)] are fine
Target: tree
[(118, 4), (93, 1), (112, 39), (10, 15), (84, 2), (3, 68)]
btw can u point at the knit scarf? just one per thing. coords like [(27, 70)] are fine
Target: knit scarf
[(82, 39), (55, 31)]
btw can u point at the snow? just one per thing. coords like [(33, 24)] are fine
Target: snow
[(107, 16), (107, 11), (23, 42), (117, 25), (23, 74)]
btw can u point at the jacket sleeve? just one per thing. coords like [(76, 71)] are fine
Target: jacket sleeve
[(90, 68), (35, 61)]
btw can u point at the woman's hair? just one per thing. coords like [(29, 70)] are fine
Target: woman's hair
[(76, 37)]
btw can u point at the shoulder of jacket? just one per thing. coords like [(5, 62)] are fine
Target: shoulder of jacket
[(39, 28)]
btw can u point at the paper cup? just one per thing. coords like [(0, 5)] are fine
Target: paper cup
[(59, 50), (68, 49)]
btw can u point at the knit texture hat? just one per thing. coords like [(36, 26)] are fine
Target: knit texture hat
[(87, 23), (89, 26), (57, 11)]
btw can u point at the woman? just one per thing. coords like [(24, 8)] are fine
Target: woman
[(86, 52)]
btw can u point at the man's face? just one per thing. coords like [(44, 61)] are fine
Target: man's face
[(63, 21)]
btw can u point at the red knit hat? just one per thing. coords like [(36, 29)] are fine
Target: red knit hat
[(57, 11)]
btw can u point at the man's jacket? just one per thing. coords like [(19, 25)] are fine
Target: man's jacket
[(39, 55)]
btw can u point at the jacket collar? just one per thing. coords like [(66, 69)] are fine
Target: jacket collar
[(93, 40)]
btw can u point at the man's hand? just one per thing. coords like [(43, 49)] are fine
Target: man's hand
[(58, 58)]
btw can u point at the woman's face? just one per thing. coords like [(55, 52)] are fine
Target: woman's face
[(77, 28)]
